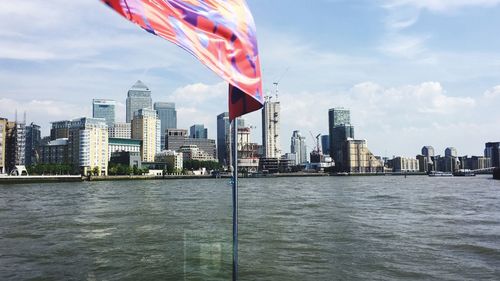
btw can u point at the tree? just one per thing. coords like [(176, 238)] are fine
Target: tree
[(95, 171)]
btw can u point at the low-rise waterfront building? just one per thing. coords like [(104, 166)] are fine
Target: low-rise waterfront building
[(55, 152), (176, 138), (405, 165), (88, 145), (127, 145), (127, 158), (360, 159), (192, 152), (172, 158)]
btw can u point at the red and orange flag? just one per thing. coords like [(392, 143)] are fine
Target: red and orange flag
[(220, 33)]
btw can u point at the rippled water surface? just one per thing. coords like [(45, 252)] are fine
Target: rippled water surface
[(333, 228)]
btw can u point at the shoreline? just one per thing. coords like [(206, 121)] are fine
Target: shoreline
[(79, 178)]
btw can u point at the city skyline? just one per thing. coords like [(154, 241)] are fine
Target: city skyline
[(399, 68)]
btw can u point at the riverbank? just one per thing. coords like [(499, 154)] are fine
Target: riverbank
[(39, 179)]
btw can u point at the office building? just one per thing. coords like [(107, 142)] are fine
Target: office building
[(3, 139), (127, 145), (223, 138), (59, 130), (126, 158), (33, 141), (146, 127), (492, 151), (248, 158), (173, 159), (139, 97), (360, 159), (298, 147), (193, 152), (450, 152), (271, 128), (168, 117), (198, 131), (54, 152), (176, 138), (325, 144), (88, 145), (120, 130), (102, 108), (405, 165), (340, 130)]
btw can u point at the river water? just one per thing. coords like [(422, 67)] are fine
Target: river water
[(328, 228)]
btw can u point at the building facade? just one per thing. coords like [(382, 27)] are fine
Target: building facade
[(325, 144), (172, 158), (450, 152), (33, 141), (223, 138), (127, 145), (88, 145), (176, 138), (405, 165), (271, 128), (492, 151), (120, 130), (138, 97), (146, 127), (55, 152), (340, 130), (198, 131), (360, 159), (103, 108), (298, 147), (168, 117), (59, 130)]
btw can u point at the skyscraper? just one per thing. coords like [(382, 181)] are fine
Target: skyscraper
[(340, 130), (33, 139), (271, 128), (325, 144), (198, 131), (102, 108), (450, 152), (139, 97), (223, 138), (298, 147), (146, 127), (168, 117), (60, 129), (492, 151)]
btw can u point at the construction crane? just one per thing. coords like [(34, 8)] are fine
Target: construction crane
[(277, 82), (318, 145)]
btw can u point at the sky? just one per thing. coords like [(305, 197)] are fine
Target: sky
[(412, 72)]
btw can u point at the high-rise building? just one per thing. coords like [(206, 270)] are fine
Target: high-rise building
[(325, 144), (450, 152), (428, 151), (120, 130), (340, 130), (102, 108), (146, 127), (198, 131), (298, 147), (3, 139), (59, 130), (168, 117), (88, 145), (139, 97), (33, 139), (20, 133), (271, 128), (492, 151), (223, 138)]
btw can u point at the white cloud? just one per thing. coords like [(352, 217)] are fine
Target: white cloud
[(440, 5), (493, 93)]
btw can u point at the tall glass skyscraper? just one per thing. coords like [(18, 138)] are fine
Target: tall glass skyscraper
[(223, 129), (340, 130), (102, 108), (198, 131), (298, 147), (168, 117), (139, 97)]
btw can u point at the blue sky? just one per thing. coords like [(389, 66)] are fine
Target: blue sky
[(413, 72)]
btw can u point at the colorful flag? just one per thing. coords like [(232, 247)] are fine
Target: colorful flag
[(220, 33)]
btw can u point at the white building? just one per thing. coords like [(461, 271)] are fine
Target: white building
[(120, 130), (271, 128), (118, 144), (298, 147), (88, 144), (402, 164)]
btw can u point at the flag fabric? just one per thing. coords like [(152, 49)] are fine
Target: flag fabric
[(220, 33)]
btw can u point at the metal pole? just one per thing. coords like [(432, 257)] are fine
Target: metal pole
[(235, 198)]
